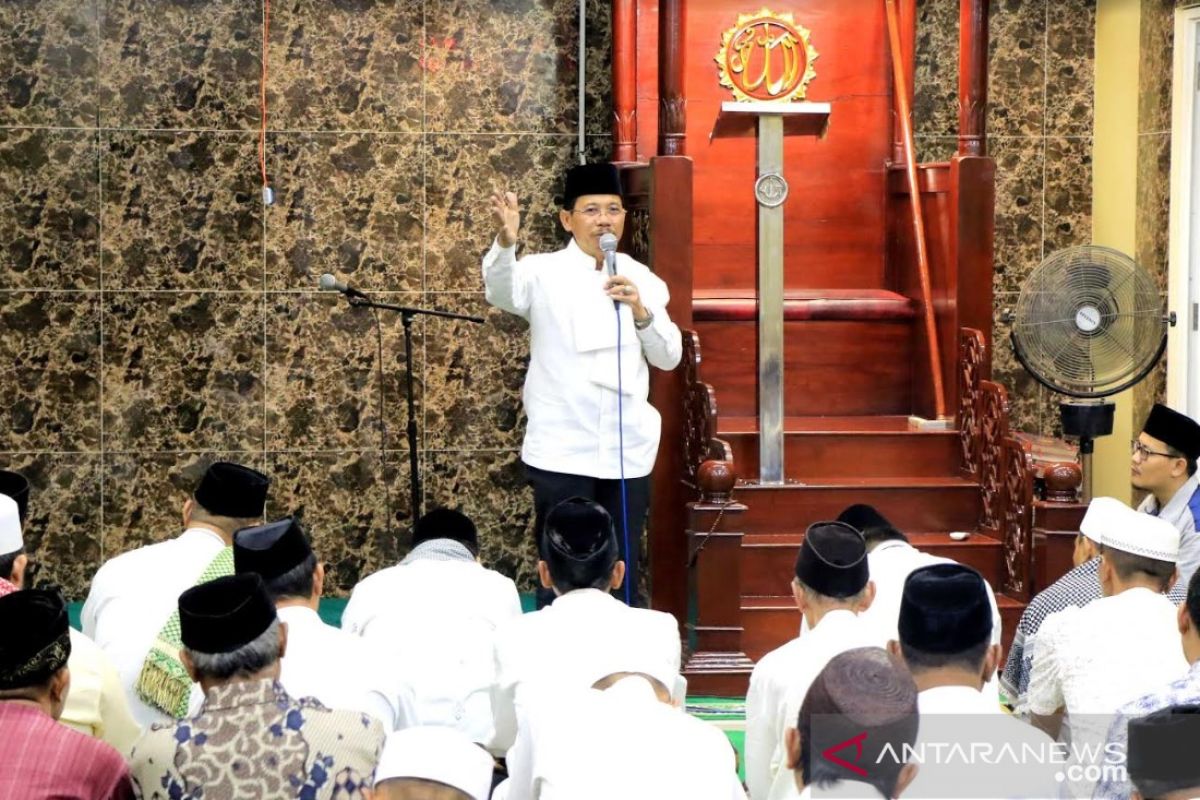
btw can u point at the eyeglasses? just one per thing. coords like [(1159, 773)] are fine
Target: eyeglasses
[(594, 212), (1141, 452)]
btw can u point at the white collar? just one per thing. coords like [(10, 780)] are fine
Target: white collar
[(837, 618), (302, 615), (891, 544), (582, 597), (199, 534), (959, 699)]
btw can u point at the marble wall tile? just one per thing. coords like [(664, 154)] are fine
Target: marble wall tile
[(461, 172), (935, 78), (346, 65), (48, 60), (339, 498), (489, 486), (1016, 68), (183, 371), (1155, 66), (1152, 232), (1070, 66), (188, 65), (180, 211), (50, 371), (473, 377), (144, 493), (1068, 220), (1018, 217), (598, 98), (935, 148), (350, 204), (1027, 398), (321, 386), (501, 66), (62, 532), (49, 209)]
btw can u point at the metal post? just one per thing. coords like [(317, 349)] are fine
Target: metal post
[(770, 191)]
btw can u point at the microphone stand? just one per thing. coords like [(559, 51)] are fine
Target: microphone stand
[(406, 316)]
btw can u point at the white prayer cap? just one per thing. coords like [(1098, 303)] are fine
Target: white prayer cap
[(1103, 513), (1144, 535), (10, 526), (442, 755)]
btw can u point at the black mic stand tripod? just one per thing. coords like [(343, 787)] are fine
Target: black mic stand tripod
[(406, 316)]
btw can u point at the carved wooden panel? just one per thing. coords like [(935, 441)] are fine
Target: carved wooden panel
[(993, 425), (971, 354), (1017, 528), (637, 225), (700, 442)]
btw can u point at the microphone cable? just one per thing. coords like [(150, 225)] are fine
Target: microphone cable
[(631, 567), (383, 474)]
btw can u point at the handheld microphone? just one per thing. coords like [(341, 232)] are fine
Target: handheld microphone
[(328, 283), (608, 245)]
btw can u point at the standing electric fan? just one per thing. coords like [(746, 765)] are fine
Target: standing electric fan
[(1089, 323)]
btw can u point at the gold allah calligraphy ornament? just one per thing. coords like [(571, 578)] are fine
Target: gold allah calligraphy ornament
[(766, 56)]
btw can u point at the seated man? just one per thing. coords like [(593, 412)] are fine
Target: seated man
[(945, 641), (1089, 661), (432, 763), (40, 758), (1164, 464), (555, 649), (862, 711), (331, 665), (831, 589), (1162, 754), (433, 616), (250, 739)]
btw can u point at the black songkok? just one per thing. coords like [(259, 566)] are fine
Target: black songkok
[(580, 529), (944, 609), (231, 490), (1174, 429), (1162, 750), (870, 522), (16, 486), (446, 523), (587, 179), (224, 614), (36, 641), (833, 560), (270, 550)]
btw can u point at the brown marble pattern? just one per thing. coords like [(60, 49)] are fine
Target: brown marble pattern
[(144, 493), (473, 377), (1018, 217), (1070, 66), (183, 371), (501, 66), (50, 371), (460, 174), (48, 62), (935, 148), (1151, 231), (1155, 66), (598, 100), (193, 64), (49, 209), (350, 204), (321, 386), (489, 486), (1068, 220), (346, 65), (935, 79), (1027, 398), (181, 211), (1017, 68), (62, 531)]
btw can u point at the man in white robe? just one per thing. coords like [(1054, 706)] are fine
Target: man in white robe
[(1164, 465)]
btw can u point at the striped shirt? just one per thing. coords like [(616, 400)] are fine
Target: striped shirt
[(40, 758)]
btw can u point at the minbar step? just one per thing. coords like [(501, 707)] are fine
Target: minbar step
[(876, 447)]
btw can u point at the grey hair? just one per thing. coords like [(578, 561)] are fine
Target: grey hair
[(248, 659)]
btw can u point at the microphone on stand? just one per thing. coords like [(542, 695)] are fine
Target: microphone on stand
[(328, 283)]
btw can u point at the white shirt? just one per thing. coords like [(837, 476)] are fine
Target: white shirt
[(966, 717), (131, 598), (1093, 659), (583, 636), (777, 687), (570, 395), (341, 670), (435, 622), (623, 742), (1179, 512), (96, 703)]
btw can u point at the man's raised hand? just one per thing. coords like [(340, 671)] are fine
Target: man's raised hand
[(507, 214)]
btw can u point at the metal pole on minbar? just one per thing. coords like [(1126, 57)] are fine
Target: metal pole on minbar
[(770, 303)]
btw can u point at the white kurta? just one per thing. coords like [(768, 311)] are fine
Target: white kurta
[(435, 621), (1181, 512), (777, 687), (96, 703), (569, 645), (134, 594), (570, 395), (341, 670), (1094, 659), (622, 742)]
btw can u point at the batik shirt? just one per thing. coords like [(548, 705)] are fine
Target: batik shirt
[(252, 739), (1185, 691)]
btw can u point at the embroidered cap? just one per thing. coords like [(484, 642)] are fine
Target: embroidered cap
[(270, 550), (36, 641), (833, 560), (1103, 513), (439, 754), (1143, 535), (224, 614)]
